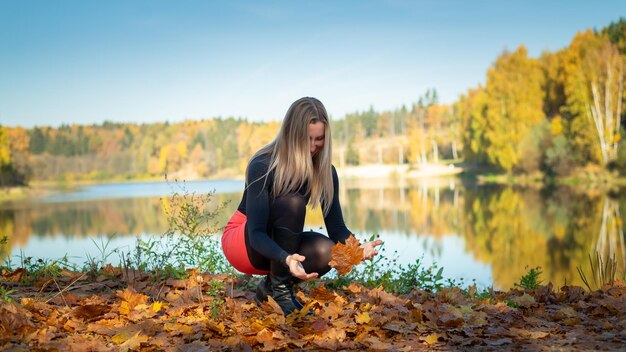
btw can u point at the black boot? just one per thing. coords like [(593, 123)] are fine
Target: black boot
[(293, 295), (281, 280), (282, 287), (263, 290)]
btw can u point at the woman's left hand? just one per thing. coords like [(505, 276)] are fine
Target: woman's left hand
[(369, 250)]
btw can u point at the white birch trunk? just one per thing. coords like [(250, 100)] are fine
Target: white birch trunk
[(605, 108)]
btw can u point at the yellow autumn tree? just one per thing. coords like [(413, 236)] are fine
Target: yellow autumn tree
[(514, 106), (418, 142), (5, 152), (472, 111), (14, 156)]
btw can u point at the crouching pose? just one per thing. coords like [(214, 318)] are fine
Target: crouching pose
[(265, 235)]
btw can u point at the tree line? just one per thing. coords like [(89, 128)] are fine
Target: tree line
[(553, 114)]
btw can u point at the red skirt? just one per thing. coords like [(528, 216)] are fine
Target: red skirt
[(234, 245)]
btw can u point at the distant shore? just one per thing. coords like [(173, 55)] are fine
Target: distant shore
[(398, 171), (364, 172), (361, 174)]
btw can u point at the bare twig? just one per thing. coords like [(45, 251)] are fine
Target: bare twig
[(66, 288), (60, 291)]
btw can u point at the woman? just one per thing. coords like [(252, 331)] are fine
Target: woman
[(265, 235)]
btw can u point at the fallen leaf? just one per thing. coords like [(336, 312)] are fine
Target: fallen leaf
[(354, 288), (132, 297), (573, 293), (399, 326), (15, 320), (450, 316), (498, 342), (124, 308), (125, 334), (90, 311), (195, 346), (102, 329), (218, 327), (362, 318), (111, 270), (376, 344), (331, 311), (271, 306), (335, 334), (156, 306), (73, 325), (65, 299), (571, 321), (14, 276), (452, 295), (431, 339), (177, 329), (299, 314), (134, 342), (472, 317), (564, 313), (344, 256), (319, 325), (386, 298), (327, 344), (266, 337), (322, 294), (537, 334), (524, 300), (616, 291)]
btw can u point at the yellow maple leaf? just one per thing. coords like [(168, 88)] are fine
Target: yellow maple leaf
[(132, 297), (344, 256), (156, 306), (431, 339), (363, 318)]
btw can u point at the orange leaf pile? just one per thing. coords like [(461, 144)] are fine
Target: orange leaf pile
[(191, 316), (344, 256)]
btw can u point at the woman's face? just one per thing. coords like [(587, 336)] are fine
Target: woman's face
[(316, 137)]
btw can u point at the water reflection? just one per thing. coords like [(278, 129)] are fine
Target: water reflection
[(609, 244), (120, 217), (490, 233)]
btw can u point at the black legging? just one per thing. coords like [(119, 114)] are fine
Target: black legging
[(285, 226)]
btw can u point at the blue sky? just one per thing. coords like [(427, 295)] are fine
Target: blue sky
[(152, 60)]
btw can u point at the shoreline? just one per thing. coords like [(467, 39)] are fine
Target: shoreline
[(398, 171), (364, 172), (360, 174)]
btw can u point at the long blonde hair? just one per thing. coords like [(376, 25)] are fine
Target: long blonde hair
[(291, 160)]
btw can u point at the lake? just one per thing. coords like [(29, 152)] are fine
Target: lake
[(488, 233)]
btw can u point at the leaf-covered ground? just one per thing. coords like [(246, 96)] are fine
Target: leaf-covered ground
[(125, 311)]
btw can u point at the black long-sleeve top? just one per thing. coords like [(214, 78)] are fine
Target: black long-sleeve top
[(256, 201)]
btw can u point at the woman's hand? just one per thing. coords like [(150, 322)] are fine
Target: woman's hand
[(294, 262), (368, 249)]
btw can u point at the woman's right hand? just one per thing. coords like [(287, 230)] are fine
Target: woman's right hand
[(294, 262)]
